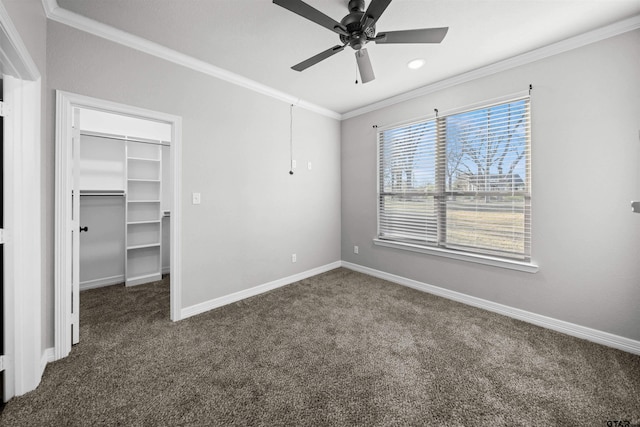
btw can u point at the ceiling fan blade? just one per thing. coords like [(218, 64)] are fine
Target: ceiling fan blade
[(317, 58), (364, 65), (314, 15), (424, 35), (373, 13)]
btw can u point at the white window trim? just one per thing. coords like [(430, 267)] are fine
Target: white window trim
[(461, 256)]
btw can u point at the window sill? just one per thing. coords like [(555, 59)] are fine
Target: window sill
[(480, 259)]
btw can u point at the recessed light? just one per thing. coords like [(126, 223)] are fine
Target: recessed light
[(416, 63)]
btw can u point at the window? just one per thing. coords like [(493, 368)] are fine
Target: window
[(459, 182)]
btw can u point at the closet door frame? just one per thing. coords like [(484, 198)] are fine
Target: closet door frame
[(66, 102)]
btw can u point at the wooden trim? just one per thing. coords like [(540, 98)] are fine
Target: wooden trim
[(58, 14), (256, 290), (62, 235), (527, 267), (22, 228), (99, 283), (23, 246)]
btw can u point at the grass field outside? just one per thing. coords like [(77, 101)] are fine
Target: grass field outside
[(495, 225)]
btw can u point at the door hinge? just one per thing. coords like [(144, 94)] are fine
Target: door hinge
[(2, 236), (4, 109), (2, 362)]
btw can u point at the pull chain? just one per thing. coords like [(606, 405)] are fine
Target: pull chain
[(291, 139)]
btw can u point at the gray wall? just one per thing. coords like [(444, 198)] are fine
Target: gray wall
[(253, 215), (29, 19), (585, 162)]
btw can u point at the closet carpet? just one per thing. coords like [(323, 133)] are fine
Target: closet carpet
[(340, 348)]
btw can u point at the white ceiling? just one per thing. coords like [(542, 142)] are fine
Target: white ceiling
[(261, 41)]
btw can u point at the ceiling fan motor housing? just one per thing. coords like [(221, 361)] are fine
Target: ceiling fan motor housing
[(353, 23), (356, 6)]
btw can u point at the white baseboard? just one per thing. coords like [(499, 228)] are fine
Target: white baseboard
[(166, 270), (594, 335), (143, 279), (256, 290), (98, 283), (48, 356)]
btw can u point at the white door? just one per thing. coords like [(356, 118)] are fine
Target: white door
[(2, 377), (75, 230)]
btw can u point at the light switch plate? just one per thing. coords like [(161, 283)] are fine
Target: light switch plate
[(195, 198)]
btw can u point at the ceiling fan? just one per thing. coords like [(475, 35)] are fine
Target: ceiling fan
[(356, 30)]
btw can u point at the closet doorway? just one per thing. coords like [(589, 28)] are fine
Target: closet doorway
[(125, 199), (117, 209)]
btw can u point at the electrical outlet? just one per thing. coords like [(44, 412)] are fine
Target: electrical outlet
[(294, 258), (356, 250), (293, 164)]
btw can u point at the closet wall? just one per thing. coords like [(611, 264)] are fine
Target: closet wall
[(125, 199), (102, 211)]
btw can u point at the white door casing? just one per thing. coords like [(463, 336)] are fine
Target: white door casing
[(25, 358), (75, 229)]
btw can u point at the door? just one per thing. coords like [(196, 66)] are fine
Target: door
[(75, 229), (1, 251)]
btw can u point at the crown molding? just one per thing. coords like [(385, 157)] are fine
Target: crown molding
[(79, 22), (593, 36), (63, 16)]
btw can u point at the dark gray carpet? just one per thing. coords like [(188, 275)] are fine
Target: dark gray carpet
[(341, 348)]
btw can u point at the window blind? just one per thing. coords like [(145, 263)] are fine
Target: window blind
[(459, 181)]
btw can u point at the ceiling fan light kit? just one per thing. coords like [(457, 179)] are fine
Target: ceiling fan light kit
[(416, 63), (356, 29)]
